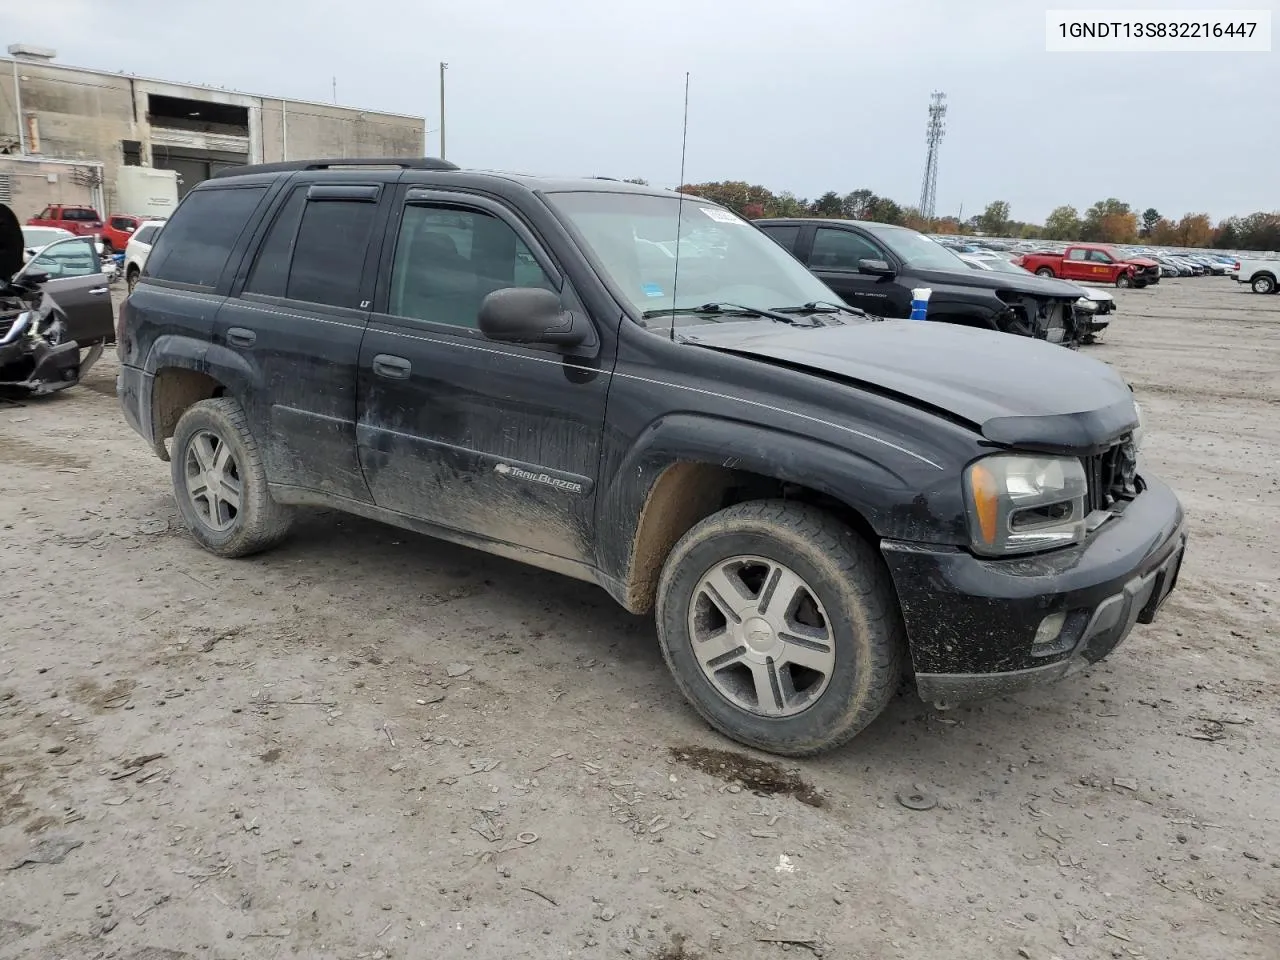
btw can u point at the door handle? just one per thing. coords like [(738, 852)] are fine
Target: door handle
[(392, 368), (240, 337), (97, 291)]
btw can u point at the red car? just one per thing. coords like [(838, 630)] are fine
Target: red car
[(119, 229), (1093, 261), (82, 221)]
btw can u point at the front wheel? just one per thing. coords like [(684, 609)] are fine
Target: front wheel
[(780, 626), (1264, 283), (1123, 281), (220, 483)]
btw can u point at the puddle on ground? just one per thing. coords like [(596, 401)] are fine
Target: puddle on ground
[(761, 776)]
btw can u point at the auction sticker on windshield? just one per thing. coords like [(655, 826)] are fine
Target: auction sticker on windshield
[(720, 216)]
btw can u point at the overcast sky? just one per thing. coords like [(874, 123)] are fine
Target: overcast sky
[(801, 95)]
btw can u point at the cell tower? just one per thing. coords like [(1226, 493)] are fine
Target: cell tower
[(937, 127)]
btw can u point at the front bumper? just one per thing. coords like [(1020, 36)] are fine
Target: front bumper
[(972, 622)]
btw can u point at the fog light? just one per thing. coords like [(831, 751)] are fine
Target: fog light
[(1050, 629)]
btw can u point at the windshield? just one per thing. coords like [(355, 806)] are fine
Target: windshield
[(723, 259), (917, 250)]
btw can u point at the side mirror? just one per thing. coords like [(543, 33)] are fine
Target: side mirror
[(31, 278), (530, 315), (877, 268)]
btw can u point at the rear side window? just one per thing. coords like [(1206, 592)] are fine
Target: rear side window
[(195, 244), (315, 251), (786, 237)]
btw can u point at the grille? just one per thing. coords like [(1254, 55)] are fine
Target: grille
[(1112, 475)]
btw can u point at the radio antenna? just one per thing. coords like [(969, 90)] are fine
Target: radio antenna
[(684, 143)]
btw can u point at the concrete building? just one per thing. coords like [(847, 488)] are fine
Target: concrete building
[(65, 131)]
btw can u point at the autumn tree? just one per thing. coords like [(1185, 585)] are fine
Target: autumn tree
[(1164, 233), (913, 218), (1062, 224), (1110, 221), (734, 194), (994, 220), (948, 225), (1259, 231), (1225, 236), (1194, 230), (1150, 217)]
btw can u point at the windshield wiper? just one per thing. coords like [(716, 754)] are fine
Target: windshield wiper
[(822, 306), (719, 309)]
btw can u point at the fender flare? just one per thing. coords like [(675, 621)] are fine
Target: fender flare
[(678, 469), (172, 351)]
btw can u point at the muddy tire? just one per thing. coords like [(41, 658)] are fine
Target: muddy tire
[(1264, 283), (1044, 272), (220, 484), (780, 626), (1124, 281), (131, 278)]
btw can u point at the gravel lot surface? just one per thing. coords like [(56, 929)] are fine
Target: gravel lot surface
[(371, 744)]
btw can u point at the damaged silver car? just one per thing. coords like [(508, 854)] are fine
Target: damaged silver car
[(55, 312)]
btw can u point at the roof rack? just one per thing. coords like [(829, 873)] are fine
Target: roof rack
[(413, 163)]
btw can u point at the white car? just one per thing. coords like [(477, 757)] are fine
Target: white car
[(137, 250), (1262, 275), (35, 239)]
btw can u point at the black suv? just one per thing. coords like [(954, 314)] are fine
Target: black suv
[(642, 390), (875, 266)]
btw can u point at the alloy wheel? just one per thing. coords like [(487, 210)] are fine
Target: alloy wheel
[(761, 636), (214, 482)]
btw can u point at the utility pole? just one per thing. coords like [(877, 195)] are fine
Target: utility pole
[(335, 89), (443, 67)]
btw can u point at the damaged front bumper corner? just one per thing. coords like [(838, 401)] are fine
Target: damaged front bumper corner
[(981, 628)]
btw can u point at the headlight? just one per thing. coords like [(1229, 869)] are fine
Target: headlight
[(1085, 305), (1020, 504)]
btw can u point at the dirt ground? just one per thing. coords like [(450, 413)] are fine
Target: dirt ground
[(371, 744)]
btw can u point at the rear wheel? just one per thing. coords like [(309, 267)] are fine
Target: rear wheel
[(1124, 281), (1044, 272), (131, 277), (1264, 283), (220, 483), (780, 626)]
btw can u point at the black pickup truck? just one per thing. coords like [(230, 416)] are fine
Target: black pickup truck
[(875, 266), (641, 390)]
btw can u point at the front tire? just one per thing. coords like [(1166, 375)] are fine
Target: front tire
[(780, 626), (220, 483), (1264, 283), (1123, 281)]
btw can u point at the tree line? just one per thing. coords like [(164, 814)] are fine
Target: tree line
[(1107, 221)]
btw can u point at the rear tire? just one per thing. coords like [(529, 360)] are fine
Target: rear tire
[(1045, 272), (836, 599), (1264, 283), (214, 452), (131, 278)]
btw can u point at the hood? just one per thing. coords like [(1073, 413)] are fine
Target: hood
[(1014, 390), (998, 280), (1142, 261)]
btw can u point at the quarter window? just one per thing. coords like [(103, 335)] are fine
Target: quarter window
[(196, 243), (448, 260)]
